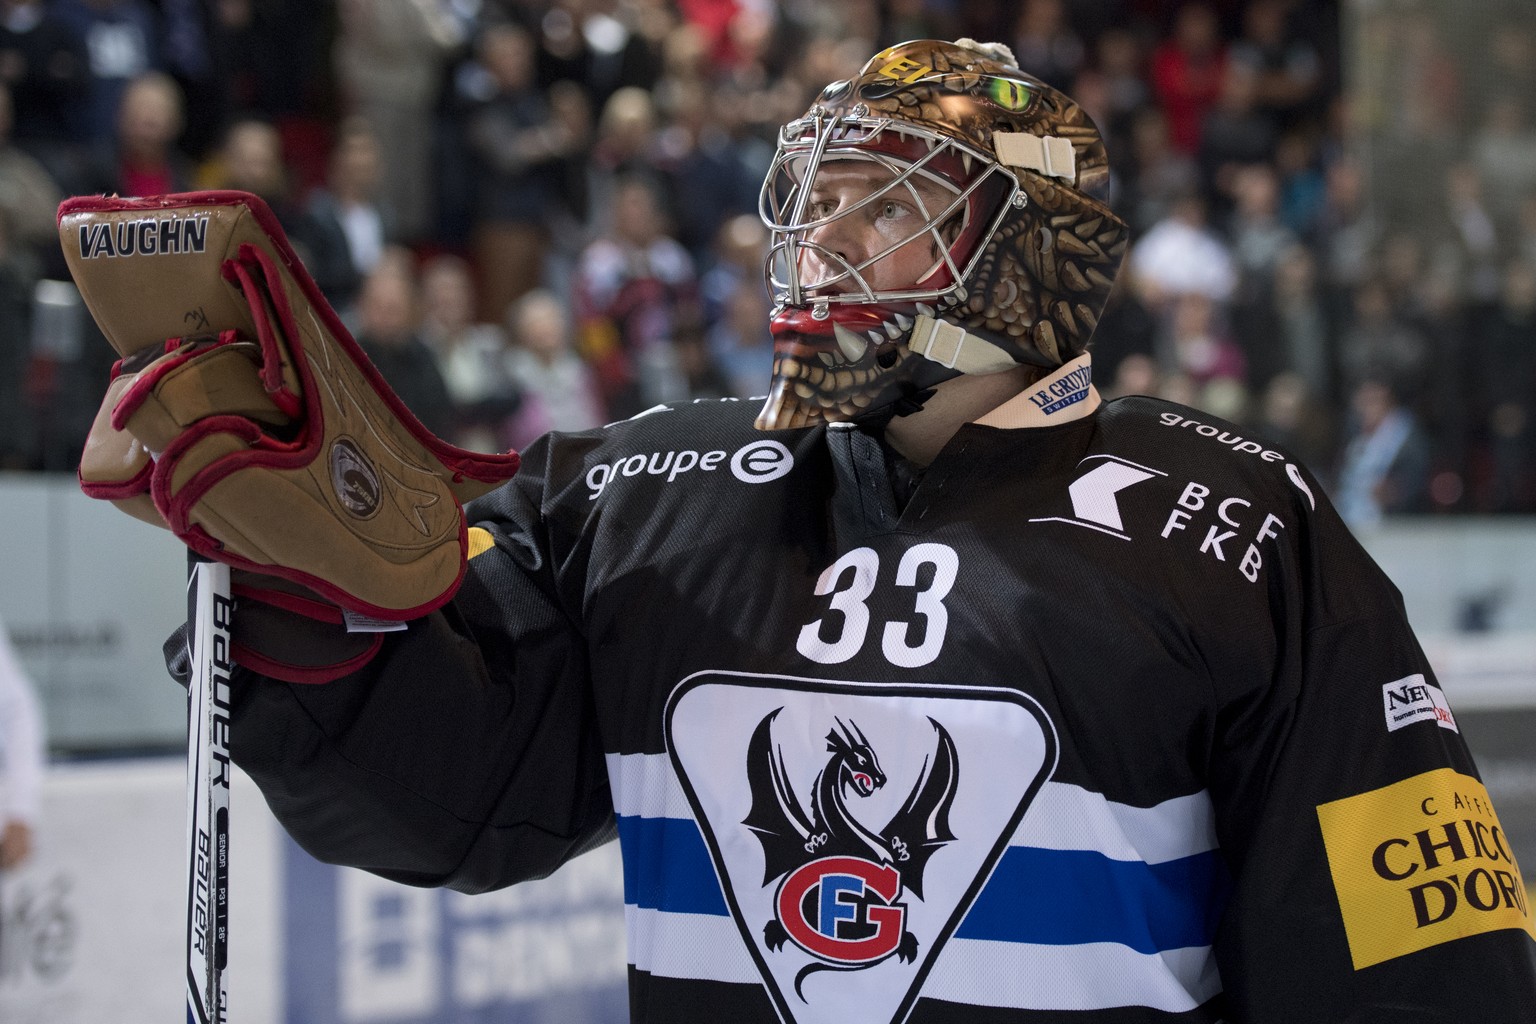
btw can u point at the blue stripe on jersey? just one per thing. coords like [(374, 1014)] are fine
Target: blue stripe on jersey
[(667, 867), (1065, 897), (1050, 897)]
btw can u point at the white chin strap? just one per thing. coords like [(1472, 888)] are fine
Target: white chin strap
[(952, 346)]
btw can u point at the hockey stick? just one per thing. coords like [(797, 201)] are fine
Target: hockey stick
[(210, 609)]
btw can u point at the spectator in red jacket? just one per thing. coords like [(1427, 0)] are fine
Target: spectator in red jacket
[(1187, 73)]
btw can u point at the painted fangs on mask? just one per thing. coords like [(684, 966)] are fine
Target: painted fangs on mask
[(837, 369), (927, 139), (849, 344), (840, 379), (830, 389)]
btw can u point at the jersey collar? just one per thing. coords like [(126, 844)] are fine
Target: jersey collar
[(1064, 396)]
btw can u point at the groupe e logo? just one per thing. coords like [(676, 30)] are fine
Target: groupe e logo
[(756, 462)]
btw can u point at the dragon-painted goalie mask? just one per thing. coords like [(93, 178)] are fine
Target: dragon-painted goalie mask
[(940, 213)]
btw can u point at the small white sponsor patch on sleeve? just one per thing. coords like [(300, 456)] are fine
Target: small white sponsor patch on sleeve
[(357, 622), (1411, 699)]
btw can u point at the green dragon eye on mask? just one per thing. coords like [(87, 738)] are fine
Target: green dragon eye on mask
[(1009, 94)]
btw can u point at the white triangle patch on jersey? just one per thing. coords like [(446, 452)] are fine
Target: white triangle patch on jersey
[(851, 825)]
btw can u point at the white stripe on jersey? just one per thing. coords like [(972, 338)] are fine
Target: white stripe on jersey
[(688, 946), (1063, 816), (645, 786), (1091, 976), (1066, 817), (1007, 974)]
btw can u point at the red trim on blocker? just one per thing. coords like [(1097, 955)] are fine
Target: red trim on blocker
[(119, 489), (151, 375), (271, 356), (322, 611), (306, 675), (263, 450)]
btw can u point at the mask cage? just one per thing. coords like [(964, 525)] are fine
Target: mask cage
[(908, 153)]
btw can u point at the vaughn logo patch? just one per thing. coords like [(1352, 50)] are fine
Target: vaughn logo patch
[(145, 236), (851, 825)]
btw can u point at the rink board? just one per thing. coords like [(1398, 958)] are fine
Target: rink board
[(91, 929)]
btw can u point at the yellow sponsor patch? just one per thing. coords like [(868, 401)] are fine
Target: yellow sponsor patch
[(1421, 862), (480, 541)]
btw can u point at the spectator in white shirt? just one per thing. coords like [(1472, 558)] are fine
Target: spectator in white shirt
[(21, 758)]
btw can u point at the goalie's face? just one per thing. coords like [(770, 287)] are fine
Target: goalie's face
[(871, 232), (875, 225)]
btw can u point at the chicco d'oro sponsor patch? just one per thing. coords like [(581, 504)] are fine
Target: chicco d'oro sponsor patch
[(1421, 862)]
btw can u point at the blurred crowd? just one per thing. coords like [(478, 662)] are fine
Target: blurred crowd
[(541, 214)]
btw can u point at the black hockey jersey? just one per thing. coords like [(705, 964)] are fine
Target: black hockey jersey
[(1112, 722)]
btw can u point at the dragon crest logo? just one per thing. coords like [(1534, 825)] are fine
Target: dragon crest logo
[(840, 882), (846, 840)]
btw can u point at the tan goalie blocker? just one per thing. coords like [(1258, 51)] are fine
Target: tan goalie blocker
[(244, 416)]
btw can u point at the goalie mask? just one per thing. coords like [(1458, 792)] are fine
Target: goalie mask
[(940, 213)]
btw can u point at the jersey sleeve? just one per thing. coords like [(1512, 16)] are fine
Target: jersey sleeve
[(1370, 873), (466, 753)]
